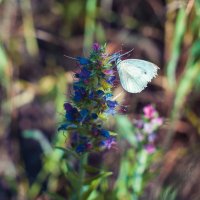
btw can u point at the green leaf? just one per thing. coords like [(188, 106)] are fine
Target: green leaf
[(126, 129), (55, 196), (195, 51), (3, 60), (69, 151), (180, 28), (3, 65), (186, 84), (93, 184), (141, 165), (38, 136), (95, 82), (113, 133), (91, 169), (99, 176), (168, 193)]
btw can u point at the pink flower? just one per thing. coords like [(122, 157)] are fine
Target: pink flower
[(148, 128), (149, 111), (139, 137), (89, 146), (108, 71), (109, 143), (151, 137), (151, 126), (139, 123), (150, 148), (157, 121)]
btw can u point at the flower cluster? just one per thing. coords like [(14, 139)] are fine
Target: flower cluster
[(146, 127), (91, 103)]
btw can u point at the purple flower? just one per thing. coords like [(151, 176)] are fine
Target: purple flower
[(88, 146), (151, 126), (110, 111), (72, 115), (85, 73), (68, 106), (148, 128), (108, 96), (152, 137), (139, 123), (111, 107), (108, 72), (96, 47), (111, 104), (79, 93), (108, 143), (157, 121), (149, 111), (139, 136), (111, 79)]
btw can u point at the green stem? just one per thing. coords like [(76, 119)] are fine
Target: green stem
[(138, 176), (83, 162)]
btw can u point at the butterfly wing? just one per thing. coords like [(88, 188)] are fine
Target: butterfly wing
[(135, 74)]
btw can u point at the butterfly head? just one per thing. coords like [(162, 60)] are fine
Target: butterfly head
[(116, 57)]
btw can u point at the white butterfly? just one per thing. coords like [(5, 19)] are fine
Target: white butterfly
[(135, 74)]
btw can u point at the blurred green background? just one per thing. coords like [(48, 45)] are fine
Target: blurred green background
[(35, 80)]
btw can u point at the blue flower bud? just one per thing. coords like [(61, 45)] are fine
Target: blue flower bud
[(111, 104), (83, 61), (111, 79), (105, 133)]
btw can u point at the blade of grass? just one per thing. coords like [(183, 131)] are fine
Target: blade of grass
[(180, 28), (28, 27), (90, 24)]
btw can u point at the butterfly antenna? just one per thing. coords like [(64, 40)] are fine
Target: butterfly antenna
[(122, 47), (118, 95), (70, 57), (127, 52)]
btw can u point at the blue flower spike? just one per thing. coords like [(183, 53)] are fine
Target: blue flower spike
[(91, 99)]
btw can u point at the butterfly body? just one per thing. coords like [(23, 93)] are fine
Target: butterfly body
[(135, 74)]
